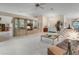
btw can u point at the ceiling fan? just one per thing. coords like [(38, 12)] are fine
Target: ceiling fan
[(41, 5)]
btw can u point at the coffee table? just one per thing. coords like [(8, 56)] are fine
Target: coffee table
[(53, 37)]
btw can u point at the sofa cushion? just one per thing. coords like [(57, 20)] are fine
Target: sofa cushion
[(63, 44)]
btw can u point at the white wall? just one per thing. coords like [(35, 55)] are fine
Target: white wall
[(45, 21), (51, 21), (7, 20), (67, 22)]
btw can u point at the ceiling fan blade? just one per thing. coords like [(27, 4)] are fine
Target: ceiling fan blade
[(41, 7)]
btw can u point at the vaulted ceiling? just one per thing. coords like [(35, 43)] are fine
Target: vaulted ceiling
[(69, 10)]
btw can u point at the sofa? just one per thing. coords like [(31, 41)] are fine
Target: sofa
[(59, 49)]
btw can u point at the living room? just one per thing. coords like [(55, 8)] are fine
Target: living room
[(39, 28)]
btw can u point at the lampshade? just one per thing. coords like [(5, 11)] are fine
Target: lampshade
[(28, 27), (71, 34)]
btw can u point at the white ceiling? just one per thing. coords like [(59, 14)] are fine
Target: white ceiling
[(70, 10)]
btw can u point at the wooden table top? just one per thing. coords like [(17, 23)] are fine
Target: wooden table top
[(56, 50)]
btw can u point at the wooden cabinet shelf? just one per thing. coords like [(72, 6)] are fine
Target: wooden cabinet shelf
[(3, 27)]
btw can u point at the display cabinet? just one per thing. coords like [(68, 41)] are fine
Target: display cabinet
[(4, 27), (25, 26)]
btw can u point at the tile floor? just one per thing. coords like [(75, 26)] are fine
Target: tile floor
[(26, 45)]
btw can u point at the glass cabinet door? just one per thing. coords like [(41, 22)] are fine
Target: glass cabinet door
[(16, 24), (35, 24), (19, 27), (21, 23)]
